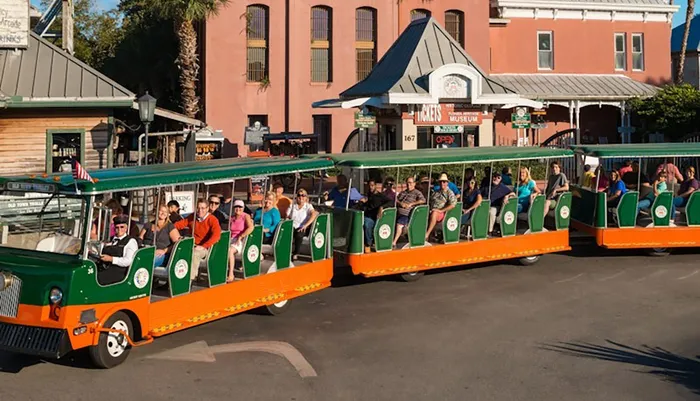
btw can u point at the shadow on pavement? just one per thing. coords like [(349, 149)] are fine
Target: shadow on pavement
[(665, 364), (14, 363)]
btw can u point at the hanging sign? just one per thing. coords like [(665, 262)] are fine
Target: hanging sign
[(446, 114), (448, 129), (365, 120)]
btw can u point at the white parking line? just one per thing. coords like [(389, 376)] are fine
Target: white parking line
[(613, 276), (656, 273), (569, 279), (689, 275)]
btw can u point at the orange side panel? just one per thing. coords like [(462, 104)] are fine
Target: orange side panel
[(463, 253), (189, 310), (653, 237)]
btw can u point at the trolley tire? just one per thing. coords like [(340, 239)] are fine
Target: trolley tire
[(106, 353), (278, 308), (411, 277), (658, 252), (529, 260)]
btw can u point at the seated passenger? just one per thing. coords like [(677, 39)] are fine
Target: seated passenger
[(407, 200), (497, 193), (220, 215), (339, 194), (241, 226), (506, 176), (165, 234), (441, 202), (527, 190), (268, 216), (602, 179), (472, 200), (626, 168), (302, 214), (616, 189), (673, 175), (588, 177), (487, 178), (373, 205), (657, 187), (206, 231), (631, 177), (283, 203), (174, 209), (688, 186), (117, 255), (389, 190), (557, 184), (452, 186)]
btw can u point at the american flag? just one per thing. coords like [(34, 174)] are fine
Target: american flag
[(79, 172)]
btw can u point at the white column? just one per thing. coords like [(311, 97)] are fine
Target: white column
[(571, 114), (578, 123)]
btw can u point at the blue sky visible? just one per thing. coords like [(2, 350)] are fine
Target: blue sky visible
[(103, 4)]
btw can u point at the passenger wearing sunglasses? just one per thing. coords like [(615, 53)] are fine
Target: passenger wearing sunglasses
[(215, 210), (302, 214), (119, 253)]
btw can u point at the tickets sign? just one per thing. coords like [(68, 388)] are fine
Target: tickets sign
[(446, 114)]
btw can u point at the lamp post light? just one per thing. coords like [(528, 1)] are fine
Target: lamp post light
[(147, 109)]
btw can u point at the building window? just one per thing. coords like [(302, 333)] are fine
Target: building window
[(322, 128), (257, 32), (638, 52), (545, 51), (365, 41), (321, 44), (454, 24), (419, 13), (62, 145), (620, 51)]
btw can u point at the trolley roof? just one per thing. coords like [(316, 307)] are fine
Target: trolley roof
[(637, 150), (128, 178), (426, 157)]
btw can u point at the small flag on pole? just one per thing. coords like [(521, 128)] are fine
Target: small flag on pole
[(79, 172)]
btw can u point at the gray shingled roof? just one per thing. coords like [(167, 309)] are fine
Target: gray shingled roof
[(44, 71), (575, 86), (422, 48)]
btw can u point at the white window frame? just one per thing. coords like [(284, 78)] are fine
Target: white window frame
[(623, 51), (640, 53), (551, 50)]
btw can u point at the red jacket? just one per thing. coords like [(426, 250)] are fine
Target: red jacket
[(206, 233)]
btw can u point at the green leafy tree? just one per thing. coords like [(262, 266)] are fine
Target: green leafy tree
[(673, 111)]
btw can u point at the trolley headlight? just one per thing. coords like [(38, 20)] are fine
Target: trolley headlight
[(5, 280), (56, 295)]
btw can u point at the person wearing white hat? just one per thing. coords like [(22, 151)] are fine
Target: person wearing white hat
[(440, 202), (241, 226)]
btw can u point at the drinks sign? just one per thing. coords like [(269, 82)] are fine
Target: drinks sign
[(14, 24), (446, 114)]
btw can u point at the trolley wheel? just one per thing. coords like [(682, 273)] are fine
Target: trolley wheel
[(278, 308), (529, 260), (412, 276), (658, 251), (112, 349)]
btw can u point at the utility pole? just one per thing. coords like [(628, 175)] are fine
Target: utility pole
[(67, 37)]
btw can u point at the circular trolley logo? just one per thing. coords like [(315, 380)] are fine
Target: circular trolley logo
[(661, 212), (319, 240), (452, 224), (141, 278), (384, 231), (181, 268), (253, 253), (509, 218), (564, 212)]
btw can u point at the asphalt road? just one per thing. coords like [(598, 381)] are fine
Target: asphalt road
[(573, 327)]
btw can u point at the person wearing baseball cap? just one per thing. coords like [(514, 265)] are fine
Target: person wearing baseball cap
[(440, 202), (241, 226)]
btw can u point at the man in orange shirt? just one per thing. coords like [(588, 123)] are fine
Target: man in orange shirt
[(206, 233)]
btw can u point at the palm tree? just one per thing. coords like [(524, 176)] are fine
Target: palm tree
[(185, 13), (684, 44)]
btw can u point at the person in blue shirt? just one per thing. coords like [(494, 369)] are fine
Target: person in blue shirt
[(506, 176), (268, 216), (339, 194), (452, 186), (616, 189), (527, 189)]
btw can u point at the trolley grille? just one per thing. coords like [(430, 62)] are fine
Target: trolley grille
[(9, 298), (30, 340)]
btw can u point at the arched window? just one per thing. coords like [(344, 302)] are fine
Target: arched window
[(365, 41), (321, 44), (257, 33), (454, 24), (419, 13)]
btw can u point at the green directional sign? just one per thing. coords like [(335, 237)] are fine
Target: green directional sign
[(365, 120)]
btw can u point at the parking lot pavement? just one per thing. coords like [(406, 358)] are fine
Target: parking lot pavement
[(584, 326)]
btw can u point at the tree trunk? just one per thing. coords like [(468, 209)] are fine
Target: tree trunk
[(188, 62), (684, 44)]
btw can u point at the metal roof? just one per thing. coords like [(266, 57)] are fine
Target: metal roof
[(635, 150), (44, 72), (576, 86), (693, 36), (222, 170), (426, 157), (422, 48)]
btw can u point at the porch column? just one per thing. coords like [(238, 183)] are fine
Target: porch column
[(623, 123), (578, 122), (571, 114)]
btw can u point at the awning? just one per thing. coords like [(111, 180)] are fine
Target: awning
[(377, 102)]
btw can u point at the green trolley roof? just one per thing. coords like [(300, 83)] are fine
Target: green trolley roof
[(637, 150), (426, 157), (109, 180)]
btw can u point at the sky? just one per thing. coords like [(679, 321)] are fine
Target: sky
[(104, 4)]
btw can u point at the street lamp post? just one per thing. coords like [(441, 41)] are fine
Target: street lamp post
[(147, 109)]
